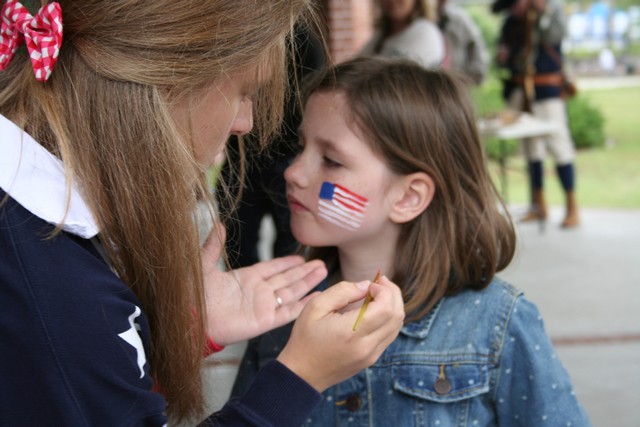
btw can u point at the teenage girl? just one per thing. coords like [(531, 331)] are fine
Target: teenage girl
[(110, 113), (392, 176)]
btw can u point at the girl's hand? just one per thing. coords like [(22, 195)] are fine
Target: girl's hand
[(249, 301), (323, 348)]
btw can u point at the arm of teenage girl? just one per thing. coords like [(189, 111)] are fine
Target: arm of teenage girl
[(532, 386)]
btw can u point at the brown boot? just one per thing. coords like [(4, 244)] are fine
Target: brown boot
[(538, 209), (571, 219)]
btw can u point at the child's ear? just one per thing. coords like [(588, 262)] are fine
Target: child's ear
[(415, 193)]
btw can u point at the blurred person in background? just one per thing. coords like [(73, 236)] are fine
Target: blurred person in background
[(466, 50), (407, 28), (529, 47)]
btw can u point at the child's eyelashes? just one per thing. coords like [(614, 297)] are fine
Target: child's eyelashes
[(327, 161), (330, 163)]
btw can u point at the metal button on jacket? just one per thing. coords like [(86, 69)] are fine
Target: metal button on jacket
[(353, 402)]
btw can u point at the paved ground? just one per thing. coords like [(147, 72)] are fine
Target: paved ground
[(586, 283)]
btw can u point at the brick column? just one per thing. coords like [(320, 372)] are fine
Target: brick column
[(350, 26)]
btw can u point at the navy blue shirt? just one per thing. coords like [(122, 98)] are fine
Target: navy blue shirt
[(74, 342), (73, 336), (547, 34)]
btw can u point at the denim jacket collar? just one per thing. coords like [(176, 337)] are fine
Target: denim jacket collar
[(420, 329)]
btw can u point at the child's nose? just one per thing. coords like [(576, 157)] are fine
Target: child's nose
[(294, 174)]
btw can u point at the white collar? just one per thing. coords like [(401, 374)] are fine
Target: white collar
[(35, 178)]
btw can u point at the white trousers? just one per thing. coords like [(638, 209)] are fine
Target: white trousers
[(559, 144)]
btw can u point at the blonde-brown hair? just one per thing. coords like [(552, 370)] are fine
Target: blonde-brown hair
[(105, 113), (422, 120)]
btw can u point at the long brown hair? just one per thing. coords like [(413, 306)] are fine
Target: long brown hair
[(422, 120), (423, 9), (105, 113)]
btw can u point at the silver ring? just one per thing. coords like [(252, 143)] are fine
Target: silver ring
[(278, 300)]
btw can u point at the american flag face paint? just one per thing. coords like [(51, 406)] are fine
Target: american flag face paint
[(341, 206)]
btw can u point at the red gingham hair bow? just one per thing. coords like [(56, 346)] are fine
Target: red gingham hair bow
[(42, 34)]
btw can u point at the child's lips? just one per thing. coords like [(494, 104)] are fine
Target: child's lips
[(295, 205)]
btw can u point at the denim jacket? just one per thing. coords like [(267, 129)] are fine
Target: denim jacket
[(478, 358)]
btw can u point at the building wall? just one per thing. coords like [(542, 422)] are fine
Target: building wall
[(350, 25)]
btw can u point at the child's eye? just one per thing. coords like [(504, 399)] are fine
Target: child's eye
[(330, 162)]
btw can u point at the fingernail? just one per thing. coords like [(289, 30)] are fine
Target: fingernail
[(364, 285)]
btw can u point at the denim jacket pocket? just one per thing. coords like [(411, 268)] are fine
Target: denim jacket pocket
[(442, 383)]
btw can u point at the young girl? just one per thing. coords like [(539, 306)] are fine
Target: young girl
[(392, 177), (110, 113)]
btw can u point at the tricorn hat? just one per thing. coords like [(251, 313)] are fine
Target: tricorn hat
[(500, 5)]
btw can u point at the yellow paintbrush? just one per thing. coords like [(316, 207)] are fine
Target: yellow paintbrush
[(367, 299)]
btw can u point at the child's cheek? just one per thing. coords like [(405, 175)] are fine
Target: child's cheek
[(341, 206)]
